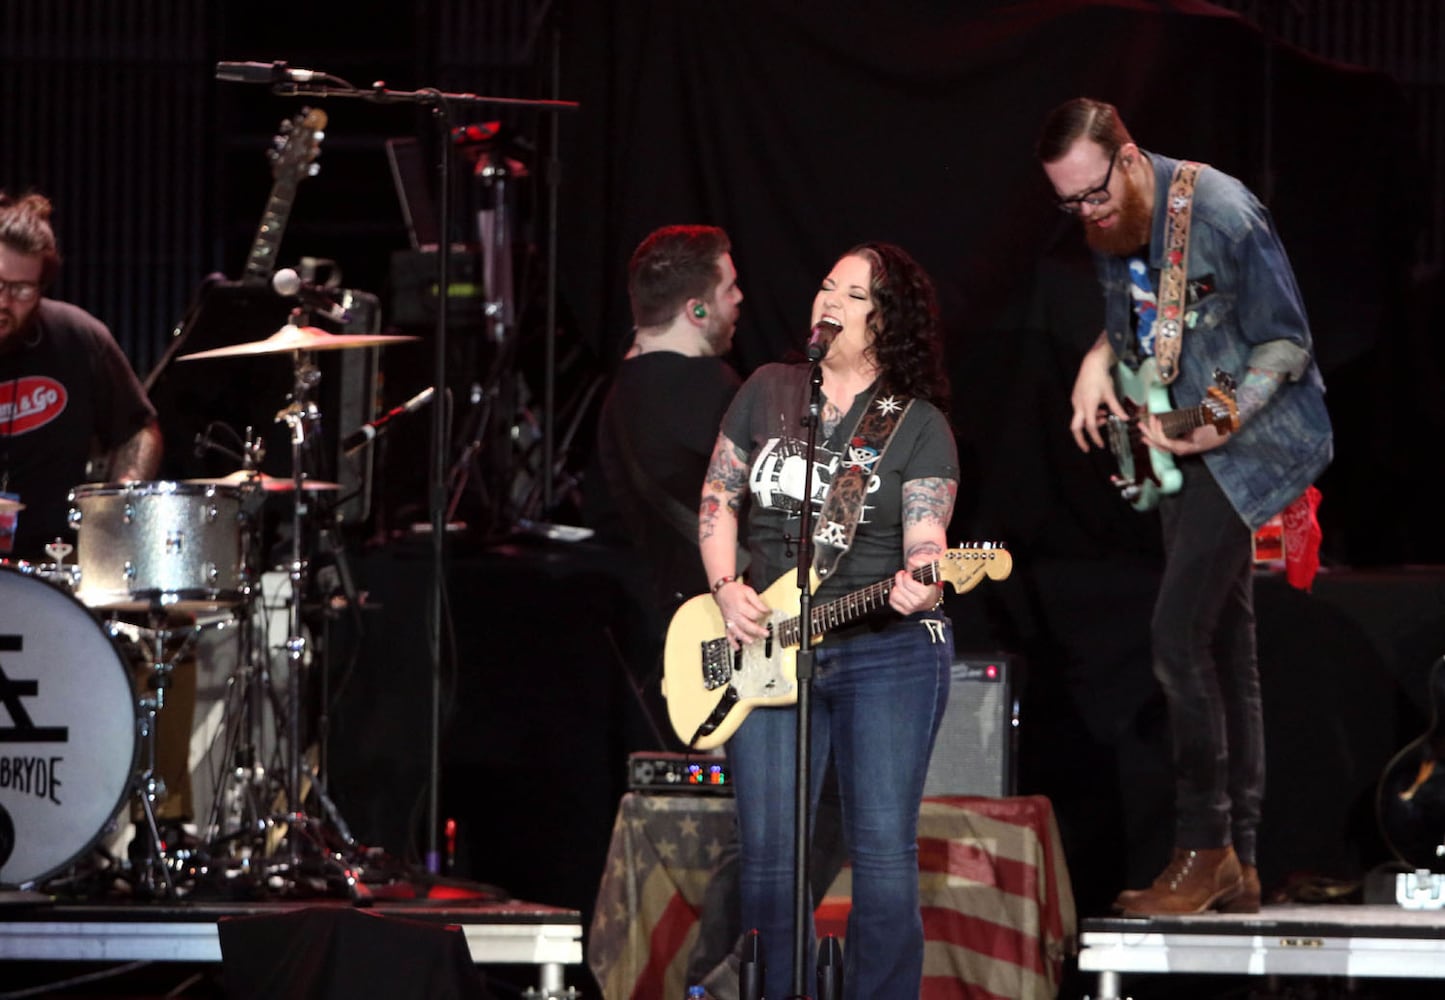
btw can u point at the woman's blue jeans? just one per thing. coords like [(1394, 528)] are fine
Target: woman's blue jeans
[(877, 701)]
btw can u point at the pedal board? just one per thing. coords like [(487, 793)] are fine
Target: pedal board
[(657, 771)]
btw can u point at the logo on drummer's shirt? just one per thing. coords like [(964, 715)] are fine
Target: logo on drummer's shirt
[(30, 402)]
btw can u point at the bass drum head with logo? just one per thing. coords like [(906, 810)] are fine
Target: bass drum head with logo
[(67, 729)]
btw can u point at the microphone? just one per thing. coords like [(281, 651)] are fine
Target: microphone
[(287, 283), (359, 438), (822, 337), (259, 72)]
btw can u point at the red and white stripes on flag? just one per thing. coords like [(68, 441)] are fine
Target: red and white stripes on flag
[(998, 913)]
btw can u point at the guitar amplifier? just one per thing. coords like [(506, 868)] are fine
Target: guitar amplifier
[(678, 772), (977, 742)]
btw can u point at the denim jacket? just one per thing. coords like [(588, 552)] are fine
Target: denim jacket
[(1243, 308)]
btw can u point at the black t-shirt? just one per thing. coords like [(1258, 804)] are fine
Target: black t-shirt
[(65, 390), (765, 421), (663, 411)]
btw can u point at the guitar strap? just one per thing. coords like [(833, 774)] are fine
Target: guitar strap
[(838, 519), (1174, 276)]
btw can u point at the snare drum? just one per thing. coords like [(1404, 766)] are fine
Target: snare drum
[(68, 734), (139, 545)]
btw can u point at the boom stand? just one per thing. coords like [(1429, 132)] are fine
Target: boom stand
[(287, 83)]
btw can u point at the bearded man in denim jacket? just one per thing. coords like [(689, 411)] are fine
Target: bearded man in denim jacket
[(1242, 314)]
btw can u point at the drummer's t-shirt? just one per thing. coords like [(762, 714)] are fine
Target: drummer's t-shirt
[(65, 390)]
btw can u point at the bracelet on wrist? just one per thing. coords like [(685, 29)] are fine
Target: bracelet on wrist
[(722, 582)]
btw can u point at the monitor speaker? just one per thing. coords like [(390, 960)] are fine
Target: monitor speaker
[(977, 742)]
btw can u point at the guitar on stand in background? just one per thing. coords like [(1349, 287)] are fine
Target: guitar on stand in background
[(1410, 805), (1145, 474)]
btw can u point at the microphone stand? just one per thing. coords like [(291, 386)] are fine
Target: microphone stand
[(441, 104), (802, 790)]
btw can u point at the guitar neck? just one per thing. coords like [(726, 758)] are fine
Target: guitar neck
[(261, 261), (1178, 423), (850, 607)]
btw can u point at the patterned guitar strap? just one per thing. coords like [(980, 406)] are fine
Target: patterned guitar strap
[(838, 520), (1174, 277)]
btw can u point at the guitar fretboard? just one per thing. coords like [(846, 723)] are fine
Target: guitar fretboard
[(850, 607), (261, 262), (1177, 423)]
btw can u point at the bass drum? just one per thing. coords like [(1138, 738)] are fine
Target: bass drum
[(67, 728)]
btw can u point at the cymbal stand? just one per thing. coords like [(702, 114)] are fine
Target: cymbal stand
[(303, 417), (300, 415)]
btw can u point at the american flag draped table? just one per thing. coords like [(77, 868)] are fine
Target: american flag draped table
[(998, 913)]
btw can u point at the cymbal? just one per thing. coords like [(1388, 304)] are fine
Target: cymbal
[(267, 484), (300, 338), (8, 505)]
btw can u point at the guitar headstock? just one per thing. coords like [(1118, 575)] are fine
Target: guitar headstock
[(1220, 410), (297, 145), (965, 567)]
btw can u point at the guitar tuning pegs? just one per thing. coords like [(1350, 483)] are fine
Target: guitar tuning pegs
[(313, 170)]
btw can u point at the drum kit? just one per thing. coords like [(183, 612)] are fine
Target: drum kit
[(157, 564)]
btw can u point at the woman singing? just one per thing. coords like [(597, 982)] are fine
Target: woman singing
[(880, 685)]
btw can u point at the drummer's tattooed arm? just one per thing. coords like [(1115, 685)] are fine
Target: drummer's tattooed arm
[(139, 457)]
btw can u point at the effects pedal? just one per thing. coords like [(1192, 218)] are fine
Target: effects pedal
[(658, 771)]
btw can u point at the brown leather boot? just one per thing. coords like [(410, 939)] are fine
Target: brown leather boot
[(1195, 881), (1248, 899), (1126, 898)]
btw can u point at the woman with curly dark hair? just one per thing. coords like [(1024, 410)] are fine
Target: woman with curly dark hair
[(881, 682)]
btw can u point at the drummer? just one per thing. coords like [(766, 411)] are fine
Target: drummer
[(67, 393)]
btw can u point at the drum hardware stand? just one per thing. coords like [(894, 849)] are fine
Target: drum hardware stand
[(244, 770), (148, 785), (298, 415), (302, 416)]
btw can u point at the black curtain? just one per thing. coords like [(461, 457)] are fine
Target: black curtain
[(806, 127)]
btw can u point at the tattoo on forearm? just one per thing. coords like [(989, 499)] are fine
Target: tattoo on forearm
[(707, 518), (929, 549), (928, 501), (727, 477), (1258, 387)]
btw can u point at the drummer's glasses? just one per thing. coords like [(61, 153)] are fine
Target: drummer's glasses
[(20, 291)]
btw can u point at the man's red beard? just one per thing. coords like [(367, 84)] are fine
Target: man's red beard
[(1132, 224)]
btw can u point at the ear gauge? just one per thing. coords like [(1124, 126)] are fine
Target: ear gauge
[(700, 311)]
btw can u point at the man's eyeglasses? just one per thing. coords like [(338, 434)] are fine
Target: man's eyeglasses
[(1094, 197), (20, 291)]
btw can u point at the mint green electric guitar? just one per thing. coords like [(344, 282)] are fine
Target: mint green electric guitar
[(1146, 474)]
